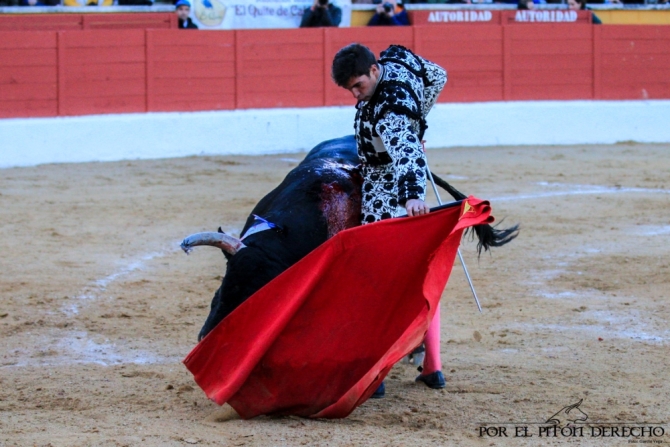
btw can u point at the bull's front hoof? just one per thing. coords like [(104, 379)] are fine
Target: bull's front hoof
[(415, 357)]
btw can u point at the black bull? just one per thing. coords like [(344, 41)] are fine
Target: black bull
[(318, 198)]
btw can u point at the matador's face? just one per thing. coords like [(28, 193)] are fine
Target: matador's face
[(363, 87)]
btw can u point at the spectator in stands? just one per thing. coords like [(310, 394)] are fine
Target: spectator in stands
[(38, 2), (321, 13), (525, 4), (577, 5), (389, 13), (183, 9)]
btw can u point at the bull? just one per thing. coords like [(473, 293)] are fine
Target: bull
[(317, 199)]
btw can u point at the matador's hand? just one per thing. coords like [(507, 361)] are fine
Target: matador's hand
[(416, 207)]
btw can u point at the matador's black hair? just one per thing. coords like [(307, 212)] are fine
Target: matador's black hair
[(352, 61)]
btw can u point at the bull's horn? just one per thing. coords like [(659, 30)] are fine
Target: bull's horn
[(225, 242)]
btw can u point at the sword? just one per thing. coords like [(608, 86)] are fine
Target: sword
[(460, 256)]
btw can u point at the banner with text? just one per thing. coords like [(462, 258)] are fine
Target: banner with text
[(256, 14)]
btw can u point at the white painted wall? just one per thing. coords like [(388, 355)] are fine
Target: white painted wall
[(32, 141)]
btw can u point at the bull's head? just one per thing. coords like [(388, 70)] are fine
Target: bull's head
[(249, 268), (230, 246)]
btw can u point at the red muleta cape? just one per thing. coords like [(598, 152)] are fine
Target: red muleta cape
[(319, 339)]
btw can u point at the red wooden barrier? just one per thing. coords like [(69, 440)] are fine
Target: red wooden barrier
[(549, 62), (634, 61), (280, 68), (41, 22), (130, 21), (472, 56), (192, 71), (70, 22), (28, 74), (49, 73), (102, 72)]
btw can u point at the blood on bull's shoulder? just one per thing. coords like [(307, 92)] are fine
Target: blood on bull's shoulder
[(317, 199)]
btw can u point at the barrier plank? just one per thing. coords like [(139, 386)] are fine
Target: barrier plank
[(105, 104), (635, 61), (528, 92), (472, 56), (103, 39), (190, 71), (41, 22), (127, 21), (193, 103), (551, 61), (28, 108), (22, 57), (133, 70), (635, 66), (27, 40), (28, 74), (194, 53), (195, 70), (102, 71), (194, 87), (299, 53), (647, 91), (635, 46), (14, 92), (647, 32)]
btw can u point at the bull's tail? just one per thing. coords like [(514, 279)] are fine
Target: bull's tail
[(488, 236)]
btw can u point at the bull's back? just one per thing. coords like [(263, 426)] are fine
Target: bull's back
[(301, 204), (340, 150)]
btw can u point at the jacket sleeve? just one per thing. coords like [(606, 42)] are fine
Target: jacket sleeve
[(335, 15), (403, 146), (401, 18), (306, 18), (435, 80)]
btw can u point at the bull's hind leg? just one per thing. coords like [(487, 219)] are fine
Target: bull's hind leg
[(416, 356)]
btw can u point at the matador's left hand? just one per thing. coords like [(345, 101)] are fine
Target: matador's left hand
[(416, 207)]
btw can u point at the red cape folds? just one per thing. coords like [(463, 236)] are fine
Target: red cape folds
[(318, 340)]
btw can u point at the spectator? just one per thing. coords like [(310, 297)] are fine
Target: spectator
[(389, 13), (577, 5), (183, 9), (38, 3), (525, 4), (321, 13)]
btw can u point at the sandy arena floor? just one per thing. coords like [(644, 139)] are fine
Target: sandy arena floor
[(98, 306)]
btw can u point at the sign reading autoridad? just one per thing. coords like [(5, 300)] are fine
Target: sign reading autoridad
[(256, 14), (442, 17)]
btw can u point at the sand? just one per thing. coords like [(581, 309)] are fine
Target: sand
[(98, 306)]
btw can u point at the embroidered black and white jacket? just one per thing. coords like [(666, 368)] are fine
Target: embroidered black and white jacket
[(389, 129)]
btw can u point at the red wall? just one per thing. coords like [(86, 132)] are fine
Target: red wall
[(68, 22), (49, 73)]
